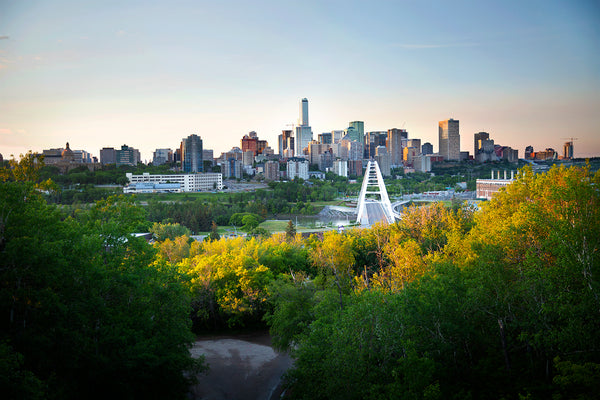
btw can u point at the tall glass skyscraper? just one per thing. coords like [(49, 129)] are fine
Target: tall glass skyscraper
[(303, 131), (449, 139), (191, 154)]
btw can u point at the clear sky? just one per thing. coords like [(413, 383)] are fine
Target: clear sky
[(148, 73)]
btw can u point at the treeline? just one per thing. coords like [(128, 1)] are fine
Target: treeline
[(445, 304), (86, 310)]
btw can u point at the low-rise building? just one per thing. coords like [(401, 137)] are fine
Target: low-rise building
[(185, 182), (486, 188)]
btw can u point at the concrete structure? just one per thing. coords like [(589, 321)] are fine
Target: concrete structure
[(326, 161), (359, 128), (208, 155), (337, 136), (422, 163), (271, 170), (232, 168), (315, 149), (449, 139), (355, 168), (248, 157), (325, 138), (383, 160), (372, 141), (373, 202), (394, 145), (297, 168), (340, 167), (108, 155), (486, 188), (162, 156), (285, 141), (127, 156), (191, 154), (427, 148), (303, 132), (183, 182), (568, 150)]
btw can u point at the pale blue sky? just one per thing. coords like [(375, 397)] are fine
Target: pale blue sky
[(148, 73)]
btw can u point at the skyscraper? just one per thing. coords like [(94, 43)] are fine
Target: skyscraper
[(477, 138), (303, 119), (449, 139), (191, 154), (303, 130), (359, 127), (394, 145)]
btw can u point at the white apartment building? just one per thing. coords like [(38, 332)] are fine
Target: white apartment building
[(297, 167), (187, 182)]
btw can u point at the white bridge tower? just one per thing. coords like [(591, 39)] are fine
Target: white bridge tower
[(373, 203)]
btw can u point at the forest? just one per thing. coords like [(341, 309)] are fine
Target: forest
[(448, 303)]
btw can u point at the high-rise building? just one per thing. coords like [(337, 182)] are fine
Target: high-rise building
[(337, 136), (127, 156), (297, 168), (529, 154), (208, 155), (394, 145), (359, 127), (162, 156), (108, 155), (191, 154), (383, 159), (303, 119), (340, 168), (303, 132), (286, 141), (372, 141), (325, 160), (325, 138), (271, 170), (232, 168), (427, 148), (477, 142), (449, 139), (568, 150)]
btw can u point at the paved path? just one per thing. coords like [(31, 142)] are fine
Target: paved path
[(241, 367)]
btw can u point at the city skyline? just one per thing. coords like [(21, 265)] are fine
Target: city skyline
[(149, 74)]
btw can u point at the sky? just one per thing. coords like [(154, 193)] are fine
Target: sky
[(149, 73)]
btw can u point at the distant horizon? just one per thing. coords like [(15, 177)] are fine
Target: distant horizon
[(104, 74)]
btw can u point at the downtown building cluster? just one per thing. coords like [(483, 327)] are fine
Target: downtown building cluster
[(344, 152)]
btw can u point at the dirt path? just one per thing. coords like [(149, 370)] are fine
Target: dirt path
[(241, 367)]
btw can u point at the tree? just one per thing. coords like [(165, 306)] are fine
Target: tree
[(290, 230), (214, 233), (162, 232)]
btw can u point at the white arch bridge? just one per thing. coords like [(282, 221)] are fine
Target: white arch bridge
[(373, 202)]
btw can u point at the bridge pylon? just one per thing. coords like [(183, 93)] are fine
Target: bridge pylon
[(373, 203)]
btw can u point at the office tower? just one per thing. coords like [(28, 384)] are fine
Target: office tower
[(303, 120), (208, 155), (394, 145), (162, 156), (427, 148), (568, 150), (325, 160), (127, 156), (303, 131), (529, 152), (383, 159), (232, 168), (374, 140), (416, 143), (191, 154), (248, 158), (250, 142), (449, 139), (286, 141), (336, 136), (477, 144), (108, 155), (355, 167), (325, 138), (359, 127)]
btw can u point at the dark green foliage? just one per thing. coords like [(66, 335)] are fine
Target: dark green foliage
[(85, 313)]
